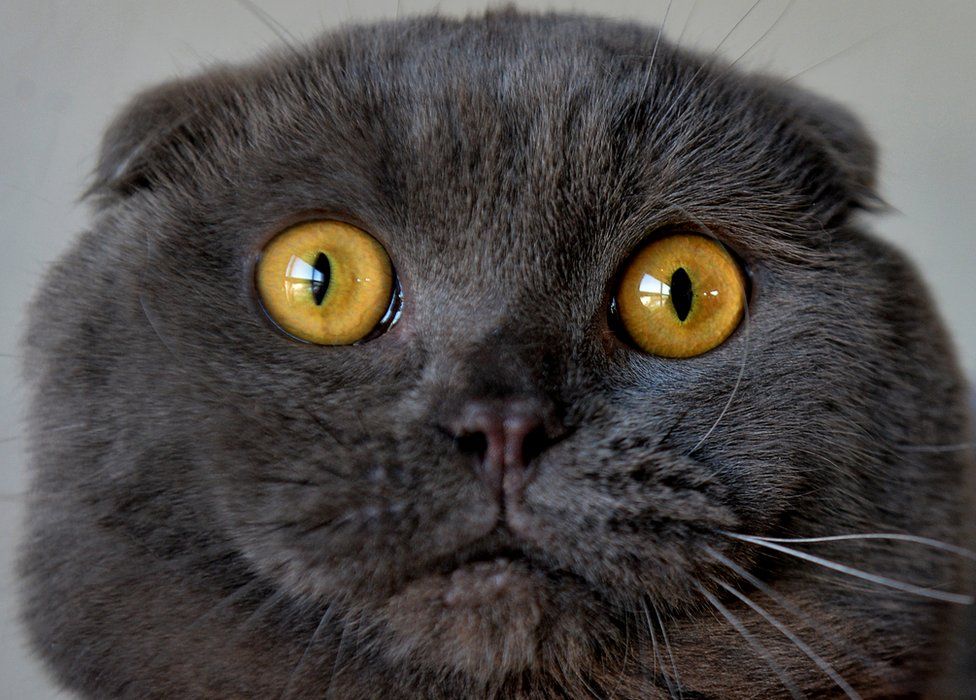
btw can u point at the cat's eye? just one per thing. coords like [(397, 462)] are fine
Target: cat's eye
[(681, 296), (326, 282)]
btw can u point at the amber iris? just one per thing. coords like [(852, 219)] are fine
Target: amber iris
[(681, 296), (325, 282)]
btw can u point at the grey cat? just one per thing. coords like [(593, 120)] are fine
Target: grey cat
[(498, 490)]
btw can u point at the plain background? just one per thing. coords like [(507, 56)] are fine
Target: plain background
[(906, 67)]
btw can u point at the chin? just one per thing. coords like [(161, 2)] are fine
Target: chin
[(487, 620)]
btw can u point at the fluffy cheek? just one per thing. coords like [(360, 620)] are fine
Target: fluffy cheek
[(343, 522)]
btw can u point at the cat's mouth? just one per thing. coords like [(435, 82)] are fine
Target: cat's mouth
[(497, 559), (483, 558), (480, 572)]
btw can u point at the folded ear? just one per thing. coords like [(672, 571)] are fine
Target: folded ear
[(161, 133), (844, 139)]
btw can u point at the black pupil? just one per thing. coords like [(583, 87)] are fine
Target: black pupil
[(681, 293), (321, 273)]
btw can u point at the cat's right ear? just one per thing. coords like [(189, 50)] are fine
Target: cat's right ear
[(158, 135), (841, 137)]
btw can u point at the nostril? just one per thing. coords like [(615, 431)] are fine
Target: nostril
[(516, 432), (475, 444), (534, 444), (503, 437)]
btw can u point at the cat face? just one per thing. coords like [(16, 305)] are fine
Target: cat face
[(497, 482)]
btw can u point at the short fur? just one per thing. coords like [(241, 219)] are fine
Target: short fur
[(221, 511)]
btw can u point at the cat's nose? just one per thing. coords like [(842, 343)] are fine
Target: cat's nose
[(504, 436)]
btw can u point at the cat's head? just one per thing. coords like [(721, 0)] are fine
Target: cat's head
[(495, 472)]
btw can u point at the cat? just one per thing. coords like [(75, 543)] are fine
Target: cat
[(496, 484)]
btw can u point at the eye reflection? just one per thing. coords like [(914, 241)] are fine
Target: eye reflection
[(301, 278), (652, 292)]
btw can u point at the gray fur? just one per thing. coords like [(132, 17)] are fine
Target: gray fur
[(221, 511)]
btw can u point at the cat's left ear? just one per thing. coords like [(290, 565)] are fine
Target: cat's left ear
[(842, 137), (161, 134)]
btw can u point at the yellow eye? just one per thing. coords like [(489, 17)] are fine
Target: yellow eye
[(681, 296), (325, 282)]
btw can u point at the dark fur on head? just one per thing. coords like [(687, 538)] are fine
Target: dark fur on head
[(223, 512)]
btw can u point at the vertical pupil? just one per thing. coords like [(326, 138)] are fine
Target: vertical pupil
[(681, 293), (321, 273)]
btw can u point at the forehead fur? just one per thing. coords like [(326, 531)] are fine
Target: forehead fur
[(567, 127)]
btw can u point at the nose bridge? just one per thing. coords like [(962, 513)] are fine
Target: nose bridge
[(494, 359), (490, 388), (503, 363)]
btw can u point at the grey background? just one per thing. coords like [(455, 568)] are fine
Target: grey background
[(906, 67)]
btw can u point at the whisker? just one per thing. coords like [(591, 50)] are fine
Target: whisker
[(657, 40), (623, 666), (656, 651), (263, 608), (667, 646), (856, 45), (152, 325), (660, 31), (228, 601), (340, 650), (793, 609), (927, 541), (822, 664), (276, 27), (903, 586), (735, 26), (326, 617), (745, 332), (936, 449), (751, 640), (685, 26), (789, 5)]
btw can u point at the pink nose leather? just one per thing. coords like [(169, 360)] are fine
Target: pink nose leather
[(505, 436)]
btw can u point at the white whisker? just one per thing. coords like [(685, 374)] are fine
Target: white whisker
[(937, 449), (684, 27), (927, 541), (793, 609), (895, 584), (326, 616), (745, 332), (657, 40), (735, 26), (752, 642), (660, 31), (667, 646), (838, 54), (276, 27), (766, 33), (821, 663), (656, 651)]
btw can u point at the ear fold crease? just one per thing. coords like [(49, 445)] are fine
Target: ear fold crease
[(159, 130)]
